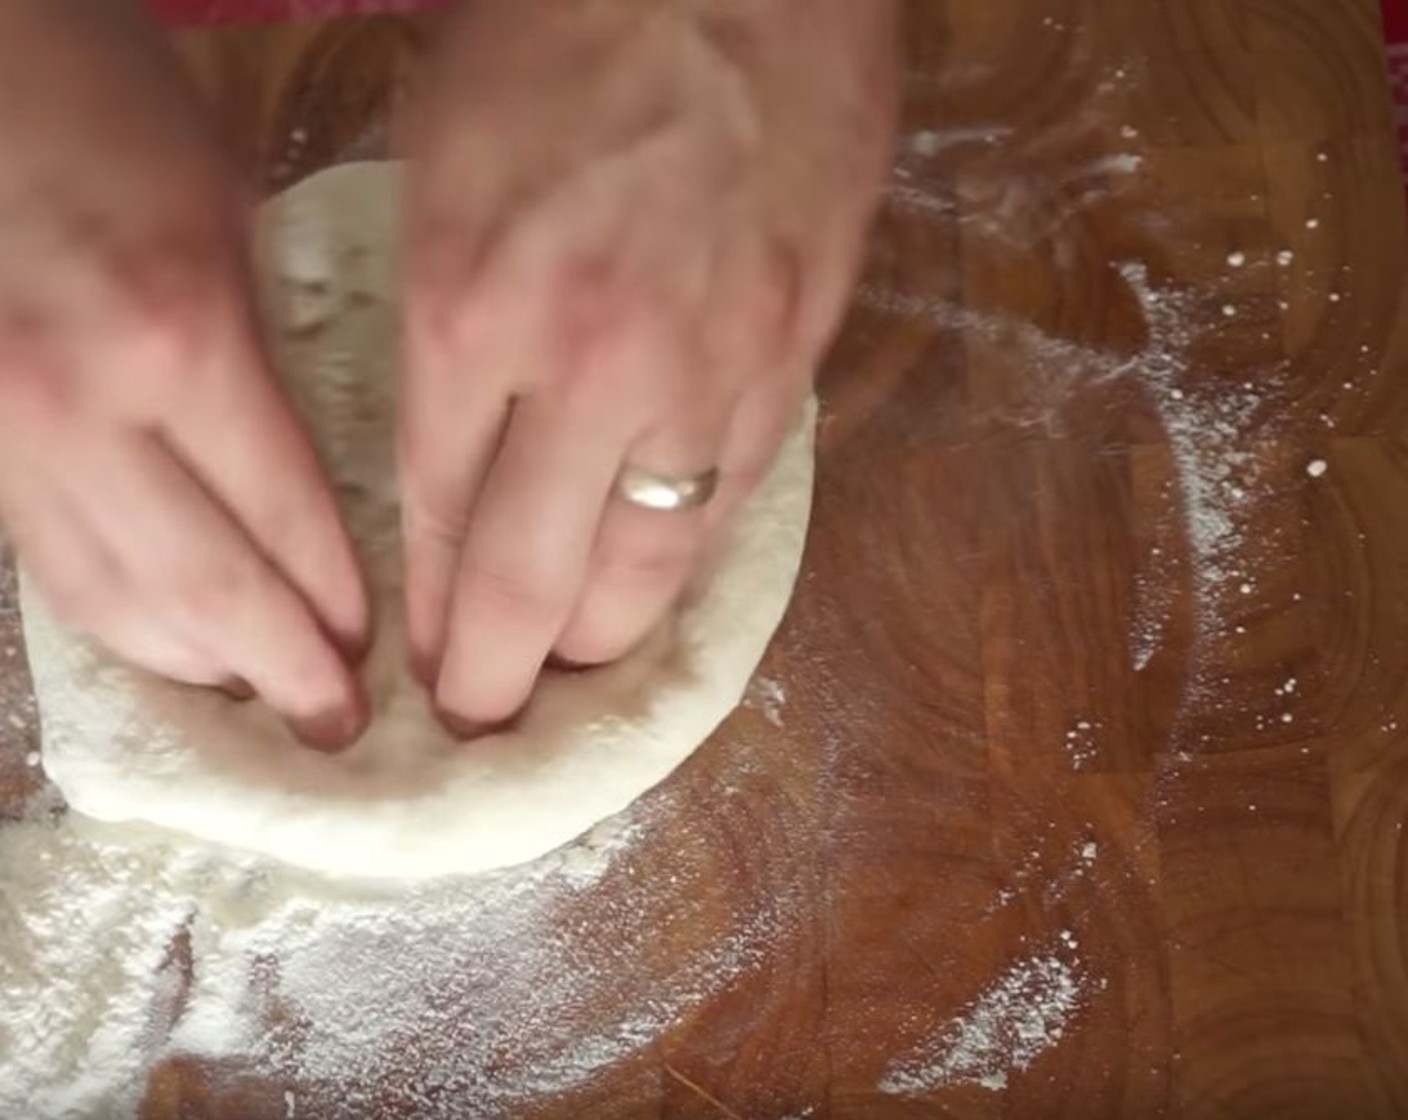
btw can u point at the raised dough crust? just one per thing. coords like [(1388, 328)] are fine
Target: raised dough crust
[(407, 801)]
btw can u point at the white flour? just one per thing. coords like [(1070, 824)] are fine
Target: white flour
[(464, 998), (1016, 1019), (1211, 431), (767, 696), (1082, 745)]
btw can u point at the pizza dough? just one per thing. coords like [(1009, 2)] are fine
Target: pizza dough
[(407, 801)]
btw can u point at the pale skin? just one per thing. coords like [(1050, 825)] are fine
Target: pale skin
[(632, 228)]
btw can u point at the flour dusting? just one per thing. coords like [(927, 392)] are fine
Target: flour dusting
[(1210, 431), (464, 998), (1016, 1019), (1081, 744), (767, 696)]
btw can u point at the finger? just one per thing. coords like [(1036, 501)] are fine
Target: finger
[(458, 367), (526, 554), (183, 551), (756, 431), (87, 589), (752, 340), (643, 558), (239, 437), (754, 332), (445, 454)]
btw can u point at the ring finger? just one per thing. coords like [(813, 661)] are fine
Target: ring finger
[(643, 557)]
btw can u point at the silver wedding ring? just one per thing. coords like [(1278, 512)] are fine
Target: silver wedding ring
[(650, 490)]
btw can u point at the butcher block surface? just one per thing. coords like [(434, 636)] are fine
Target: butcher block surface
[(1080, 763)]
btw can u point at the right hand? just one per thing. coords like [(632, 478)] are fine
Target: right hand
[(153, 478)]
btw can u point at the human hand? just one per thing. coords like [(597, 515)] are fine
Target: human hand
[(632, 228), (154, 480)]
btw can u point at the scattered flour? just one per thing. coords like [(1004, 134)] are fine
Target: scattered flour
[(1081, 745), (1211, 433), (927, 143), (767, 696), (1211, 429), (1016, 1019), (464, 998), (1316, 468), (1049, 884)]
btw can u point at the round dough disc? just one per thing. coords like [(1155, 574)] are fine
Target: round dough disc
[(407, 801)]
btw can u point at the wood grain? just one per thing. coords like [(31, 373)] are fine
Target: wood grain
[(1084, 665)]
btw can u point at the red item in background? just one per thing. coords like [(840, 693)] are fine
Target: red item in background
[(192, 13), (1396, 21), (1396, 32)]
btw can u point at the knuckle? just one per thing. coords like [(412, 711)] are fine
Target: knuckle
[(173, 315), (36, 376), (205, 594), (166, 344), (592, 291), (513, 593), (77, 602), (449, 304), (431, 517), (457, 319), (774, 303), (33, 390), (660, 563), (600, 315), (81, 595)]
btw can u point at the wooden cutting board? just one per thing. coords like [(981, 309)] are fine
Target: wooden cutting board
[(1091, 712)]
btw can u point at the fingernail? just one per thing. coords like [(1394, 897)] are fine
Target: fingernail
[(560, 664), (237, 689), (333, 731), (468, 729), (355, 647)]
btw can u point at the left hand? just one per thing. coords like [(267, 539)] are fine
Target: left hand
[(633, 228)]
